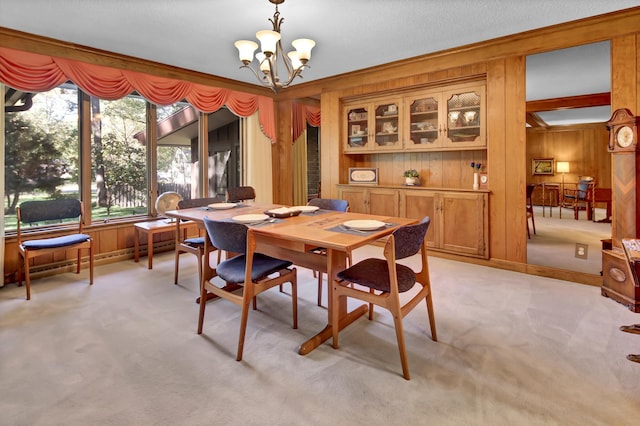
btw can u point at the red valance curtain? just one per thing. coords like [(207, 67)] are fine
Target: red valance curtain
[(301, 115), (32, 72)]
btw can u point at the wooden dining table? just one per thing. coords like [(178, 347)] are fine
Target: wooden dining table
[(294, 238)]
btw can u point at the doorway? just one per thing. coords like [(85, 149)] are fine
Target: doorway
[(568, 104)]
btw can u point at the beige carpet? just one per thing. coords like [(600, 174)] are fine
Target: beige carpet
[(554, 243), (513, 350)]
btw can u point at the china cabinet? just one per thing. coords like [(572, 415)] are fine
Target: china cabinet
[(448, 118), (374, 125), (459, 219)]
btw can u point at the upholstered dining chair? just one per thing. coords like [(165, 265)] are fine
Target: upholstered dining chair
[(327, 204), (194, 245), (254, 272), (530, 188), (241, 193), (387, 280), (34, 212)]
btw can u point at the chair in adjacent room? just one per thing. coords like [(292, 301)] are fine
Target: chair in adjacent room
[(254, 272), (387, 280), (327, 204), (580, 198), (530, 188), (36, 212), (194, 245), (241, 193)]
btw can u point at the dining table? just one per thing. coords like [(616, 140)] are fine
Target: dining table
[(295, 238)]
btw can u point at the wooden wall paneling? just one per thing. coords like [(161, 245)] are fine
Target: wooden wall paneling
[(515, 157), (497, 161), (281, 158), (332, 162)]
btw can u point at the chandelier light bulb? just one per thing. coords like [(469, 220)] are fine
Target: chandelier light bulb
[(268, 41), (245, 50), (303, 46), (295, 59), (264, 62)]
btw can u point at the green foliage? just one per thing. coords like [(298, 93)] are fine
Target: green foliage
[(32, 161)]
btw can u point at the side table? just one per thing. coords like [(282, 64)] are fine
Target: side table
[(151, 228)]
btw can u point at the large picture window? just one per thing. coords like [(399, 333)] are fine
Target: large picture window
[(41, 148)]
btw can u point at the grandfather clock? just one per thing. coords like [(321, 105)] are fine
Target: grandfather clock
[(618, 281)]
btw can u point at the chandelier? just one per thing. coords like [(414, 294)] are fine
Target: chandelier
[(272, 53)]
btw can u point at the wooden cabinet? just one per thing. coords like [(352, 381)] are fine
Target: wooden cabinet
[(459, 219), (380, 201), (374, 125), (447, 118)]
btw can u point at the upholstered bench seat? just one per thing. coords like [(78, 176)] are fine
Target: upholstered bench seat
[(57, 242)]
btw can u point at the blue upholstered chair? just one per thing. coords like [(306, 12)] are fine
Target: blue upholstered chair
[(387, 280), (194, 245), (39, 212), (327, 204), (254, 272)]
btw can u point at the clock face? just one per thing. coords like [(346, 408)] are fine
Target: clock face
[(624, 136), (483, 179)]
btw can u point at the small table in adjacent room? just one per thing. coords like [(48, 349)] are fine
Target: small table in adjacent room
[(603, 195), (550, 196)]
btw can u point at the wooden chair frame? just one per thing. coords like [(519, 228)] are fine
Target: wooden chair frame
[(51, 210), (250, 289), (390, 300)]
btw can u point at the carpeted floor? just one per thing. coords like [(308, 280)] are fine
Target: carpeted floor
[(554, 243), (513, 349)]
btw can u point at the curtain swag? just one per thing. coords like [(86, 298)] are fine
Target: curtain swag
[(32, 72), (301, 115)]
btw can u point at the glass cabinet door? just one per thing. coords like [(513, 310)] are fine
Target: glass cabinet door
[(387, 125), (424, 122), (357, 128), (464, 118)]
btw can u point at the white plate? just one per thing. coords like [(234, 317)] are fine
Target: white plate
[(305, 209), (222, 206), (250, 218), (364, 225)]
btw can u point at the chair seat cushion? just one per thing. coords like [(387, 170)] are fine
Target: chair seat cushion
[(66, 240), (196, 241), (374, 273), (232, 270)]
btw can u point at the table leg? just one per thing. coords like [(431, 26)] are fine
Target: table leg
[(136, 244), (150, 250), (336, 261)]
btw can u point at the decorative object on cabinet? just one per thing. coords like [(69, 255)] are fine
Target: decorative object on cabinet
[(363, 175), (542, 166), (412, 177), (484, 180), (272, 52), (476, 178)]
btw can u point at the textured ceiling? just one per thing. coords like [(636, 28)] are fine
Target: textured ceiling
[(350, 35)]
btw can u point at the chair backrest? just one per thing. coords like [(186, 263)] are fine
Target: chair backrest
[(241, 193), (49, 210), (198, 202), (330, 204), (530, 188), (227, 236), (585, 187), (409, 238)]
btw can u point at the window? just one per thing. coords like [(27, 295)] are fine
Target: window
[(41, 147), (118, 159)]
